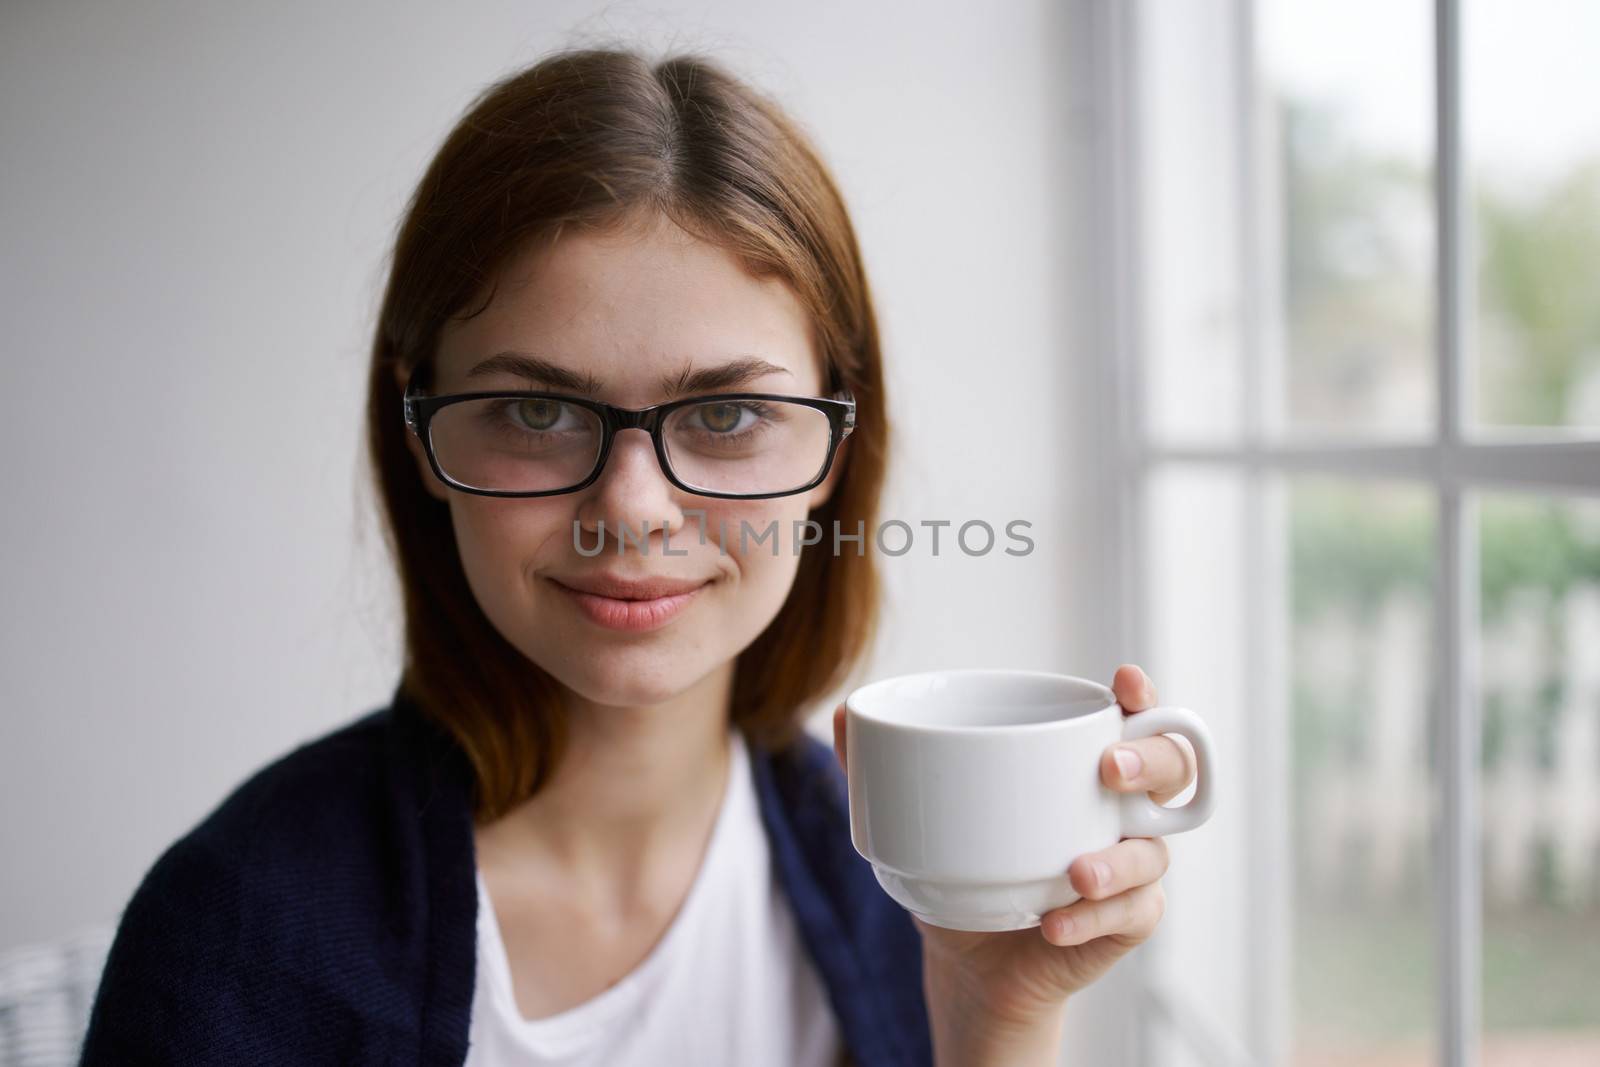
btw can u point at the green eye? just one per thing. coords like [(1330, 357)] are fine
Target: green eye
[(721, 417), (538, 414)]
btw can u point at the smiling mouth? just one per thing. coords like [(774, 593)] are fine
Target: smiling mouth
[(630, 614)]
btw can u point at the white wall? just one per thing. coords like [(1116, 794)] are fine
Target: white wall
[(196, 202)]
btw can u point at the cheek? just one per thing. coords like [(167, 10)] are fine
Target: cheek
[(499, 540), (768, 565)]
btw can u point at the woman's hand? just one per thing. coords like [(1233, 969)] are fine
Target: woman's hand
[(998, 997)]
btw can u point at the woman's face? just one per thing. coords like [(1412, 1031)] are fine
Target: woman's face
[(630, 311)]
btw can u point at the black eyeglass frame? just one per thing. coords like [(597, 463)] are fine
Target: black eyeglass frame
[(420, 408)]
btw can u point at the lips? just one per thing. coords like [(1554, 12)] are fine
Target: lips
[(618, 587), (629, 605)]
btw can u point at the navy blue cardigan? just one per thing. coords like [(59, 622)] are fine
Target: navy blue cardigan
[(326, 913)]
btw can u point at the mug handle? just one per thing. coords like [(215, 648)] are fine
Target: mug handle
[(1142, 816)]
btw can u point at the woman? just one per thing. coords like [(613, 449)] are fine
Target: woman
[(589, 828)]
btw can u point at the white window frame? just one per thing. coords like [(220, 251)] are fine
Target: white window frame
[(1450, 465)]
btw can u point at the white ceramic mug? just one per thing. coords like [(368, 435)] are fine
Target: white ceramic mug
[(972, 791)]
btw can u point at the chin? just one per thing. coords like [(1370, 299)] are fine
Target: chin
[(628, 677)]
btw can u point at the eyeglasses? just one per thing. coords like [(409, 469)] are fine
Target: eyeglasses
[(735, 445)]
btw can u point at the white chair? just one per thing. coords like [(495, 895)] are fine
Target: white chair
[(46, 991)]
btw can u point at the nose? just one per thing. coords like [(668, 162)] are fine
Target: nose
[(633, 490)]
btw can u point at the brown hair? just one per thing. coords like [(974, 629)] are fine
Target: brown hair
[(593, 138)]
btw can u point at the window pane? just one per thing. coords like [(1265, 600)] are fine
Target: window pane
[(1361, 575), (1532, 128), (1188, 257), (1350, 148), (1540, 682)]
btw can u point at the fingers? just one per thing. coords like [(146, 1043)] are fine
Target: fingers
[(1133, 915), (1134, 689), (1125, 865), (838, 736), (1163, 766)]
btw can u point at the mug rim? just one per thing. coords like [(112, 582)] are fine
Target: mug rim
[(852, 707)]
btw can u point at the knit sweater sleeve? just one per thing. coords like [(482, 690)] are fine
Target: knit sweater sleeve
[(297, 924), (173, 989)]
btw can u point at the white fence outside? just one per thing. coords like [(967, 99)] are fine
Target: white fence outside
[(1369, 817)]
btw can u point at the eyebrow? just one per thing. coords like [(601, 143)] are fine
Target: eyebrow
[(687, 382), (536, 371)]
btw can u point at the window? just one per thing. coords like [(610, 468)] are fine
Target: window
[(1354, 344)]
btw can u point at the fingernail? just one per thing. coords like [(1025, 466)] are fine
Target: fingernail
[(1061, 929), (1101, 872), (1129, 763)]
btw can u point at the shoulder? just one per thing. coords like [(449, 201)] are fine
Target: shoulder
[(351, 827), (297, 895), (280, 808), (294, 816), (805, 807), (196, 969), (804, 775), (303, 801), (864, 945)]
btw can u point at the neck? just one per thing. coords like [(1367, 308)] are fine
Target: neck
[(637, 788)]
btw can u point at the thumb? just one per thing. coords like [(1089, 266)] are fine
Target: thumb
[(838, 736)]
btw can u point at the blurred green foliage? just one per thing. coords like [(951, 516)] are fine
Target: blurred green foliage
[(1346, 552), (1539, 273), (1357, 281)]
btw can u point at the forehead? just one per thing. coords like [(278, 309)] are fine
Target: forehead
[(632, 307)]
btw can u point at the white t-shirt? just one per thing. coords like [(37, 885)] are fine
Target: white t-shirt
[(728, 983)]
